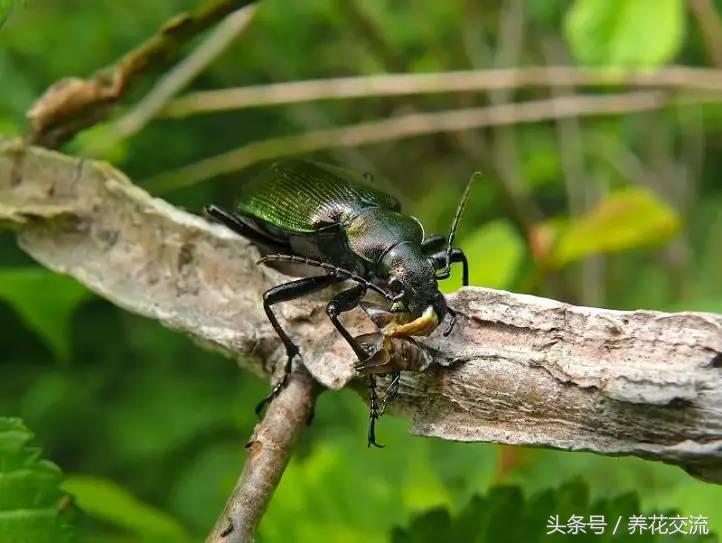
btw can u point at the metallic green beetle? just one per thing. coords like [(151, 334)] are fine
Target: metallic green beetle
[(323, 216)]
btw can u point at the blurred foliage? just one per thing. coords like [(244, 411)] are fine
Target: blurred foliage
[(45, 302), (550, 516), (109, 502), (626, 32), (626, 219), (32, 507), (627, 215), (6, 7)]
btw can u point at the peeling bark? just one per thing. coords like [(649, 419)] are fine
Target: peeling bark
[(517, 369)]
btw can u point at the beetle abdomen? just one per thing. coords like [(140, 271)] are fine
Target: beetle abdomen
[(303, 196)]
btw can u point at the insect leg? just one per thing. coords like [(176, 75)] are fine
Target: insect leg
[(342, 302), (234, 222), (345, 301), (373, 411), (456, 255), (284, 293)]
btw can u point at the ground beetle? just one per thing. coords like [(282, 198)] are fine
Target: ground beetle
[(323, 216)]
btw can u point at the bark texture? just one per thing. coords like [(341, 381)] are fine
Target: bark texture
[(517, 369), (269, 451)]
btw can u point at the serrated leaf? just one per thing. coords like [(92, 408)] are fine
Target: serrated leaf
[(626, 219), (625, 32), (506, 516), (44, 301), (32, 507), (110, 502)]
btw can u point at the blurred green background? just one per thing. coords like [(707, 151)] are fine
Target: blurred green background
[(622, 212)]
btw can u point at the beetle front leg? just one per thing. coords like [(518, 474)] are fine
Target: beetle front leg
[(346, 301), (285, 293), (342, 302), (444, 267)]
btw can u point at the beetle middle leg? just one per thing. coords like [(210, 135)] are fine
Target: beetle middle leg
[(346, 301), (284, 293)]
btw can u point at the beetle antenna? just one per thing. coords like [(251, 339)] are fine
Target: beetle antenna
[(455, 224), (334, 270)]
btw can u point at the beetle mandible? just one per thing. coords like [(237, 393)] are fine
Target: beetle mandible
[(323, 216)]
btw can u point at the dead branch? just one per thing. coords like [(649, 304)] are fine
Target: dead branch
[(680, 78), (518, 369), (269, 451), (181, 75), (72, 104), (407, 126)]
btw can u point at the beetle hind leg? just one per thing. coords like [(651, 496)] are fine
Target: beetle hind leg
[(374, 412), (235, 222)]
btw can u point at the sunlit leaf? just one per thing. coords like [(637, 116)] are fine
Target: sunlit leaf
[(45, 301), (625, 32), (626, 219), (495, 252), (108, 501), (32, 507)]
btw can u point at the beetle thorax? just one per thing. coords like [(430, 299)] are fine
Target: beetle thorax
[(373, 232)]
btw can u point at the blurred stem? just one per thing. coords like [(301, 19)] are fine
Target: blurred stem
[(711, 26), (469, 81), (521, 210), (506, 153), (366, 27), (71, 104), (180, 76), (581, 188), (269, 451), (416, 124)]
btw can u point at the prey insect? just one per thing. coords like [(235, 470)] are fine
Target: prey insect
[(324, 217)]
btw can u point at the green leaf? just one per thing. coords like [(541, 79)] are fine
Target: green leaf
[(109, 502), (626, 219), (506, 516), (499, 250), (6, 7), (625, 32), (32, 507), (45, 301)]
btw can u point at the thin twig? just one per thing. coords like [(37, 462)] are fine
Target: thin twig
[(364, 25), (416, 124), (711, 26), (269, 451), (72, 104), (181, 75), (524, 211), (672, 77)]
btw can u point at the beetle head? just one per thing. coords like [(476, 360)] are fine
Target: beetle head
[(412, 282)]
